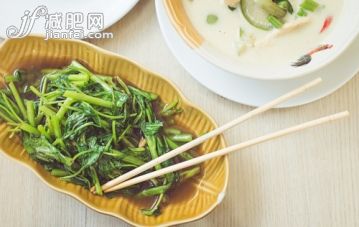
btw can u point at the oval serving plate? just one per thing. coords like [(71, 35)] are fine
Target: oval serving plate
[(208, 189)]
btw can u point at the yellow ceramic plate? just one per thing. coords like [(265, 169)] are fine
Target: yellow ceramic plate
[(203, 193)]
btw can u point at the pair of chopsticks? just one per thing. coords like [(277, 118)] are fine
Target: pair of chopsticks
[(124, 180)]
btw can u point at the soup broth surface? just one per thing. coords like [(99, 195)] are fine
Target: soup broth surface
[(269, 48)]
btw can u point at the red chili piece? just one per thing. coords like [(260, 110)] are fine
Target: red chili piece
[(327, 22)]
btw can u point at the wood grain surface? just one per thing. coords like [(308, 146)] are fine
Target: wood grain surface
[(307, 179)]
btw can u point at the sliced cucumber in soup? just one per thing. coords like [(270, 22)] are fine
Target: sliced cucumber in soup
[(272, 8), (255, 14)]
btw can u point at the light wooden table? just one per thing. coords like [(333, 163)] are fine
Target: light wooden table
[(307, 179)]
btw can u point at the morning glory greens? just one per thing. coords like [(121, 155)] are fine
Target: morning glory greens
[(89, 129)]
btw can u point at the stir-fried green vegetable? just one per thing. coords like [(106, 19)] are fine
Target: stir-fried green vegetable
[(89, 129)]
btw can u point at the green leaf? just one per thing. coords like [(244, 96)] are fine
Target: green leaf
[(119, 99), (148, 95), (90, 158), (309, 5), (151, 128), (40, 149)]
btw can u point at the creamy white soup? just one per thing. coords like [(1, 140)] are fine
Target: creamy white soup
[(248, 31)]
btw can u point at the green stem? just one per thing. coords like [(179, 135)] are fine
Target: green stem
[(43, 132), (39, 117), (114, 117), (6, 118), (47, 111), (78, 77), (96, 181), (172, 131), (64, 107), (30, 109), (123, 85), (152, 146), (52, 95), (114, 136), (10, 104), (101, 82), (35, 91), (10, 108), (18, 99), (55, 122), (59, 173), (126, 158), (183, 138), (154, 210), (28, 128), (49, 125), (154, 191), (86, 98), (172, 145), (80, 154), (124, 133), (10, 114), (187, 174)]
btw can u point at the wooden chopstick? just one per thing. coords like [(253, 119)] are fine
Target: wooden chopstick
[(227, 150), (209, 135)]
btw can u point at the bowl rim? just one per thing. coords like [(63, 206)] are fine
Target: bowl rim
[(200, 45), (223, 141)]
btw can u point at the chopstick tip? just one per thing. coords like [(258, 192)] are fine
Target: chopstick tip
[(340, 115), (346, 113), (313, 83), (318, 80)]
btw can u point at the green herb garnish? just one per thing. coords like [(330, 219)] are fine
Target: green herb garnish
[(241, 32), (309, 5), (212, 19), (302, 13), (275, 21)]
